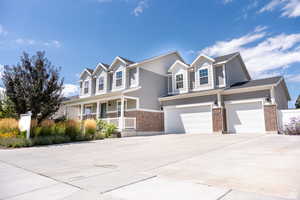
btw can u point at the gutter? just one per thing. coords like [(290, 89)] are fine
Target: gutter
[(218, 91)]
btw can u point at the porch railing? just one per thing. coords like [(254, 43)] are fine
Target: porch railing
[(129, 122)]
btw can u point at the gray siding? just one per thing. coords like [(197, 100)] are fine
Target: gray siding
[(247, 95), (280, 97), (219, 76), (234, 72), (153, 86), (132, 76), (192, 79), (191, 100)]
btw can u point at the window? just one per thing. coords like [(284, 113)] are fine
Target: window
[(119, 78), (101, 83), (86, 87), (179, 81), (203, 76)]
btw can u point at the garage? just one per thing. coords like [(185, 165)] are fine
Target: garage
[(188, 119), (245, 117)]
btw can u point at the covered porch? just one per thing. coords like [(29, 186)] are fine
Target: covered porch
[(110, 110)]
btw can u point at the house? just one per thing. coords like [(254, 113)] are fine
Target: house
[(2, 93), (166, 94)]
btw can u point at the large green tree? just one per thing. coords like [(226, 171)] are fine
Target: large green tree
[(297, 104), (34, 85)]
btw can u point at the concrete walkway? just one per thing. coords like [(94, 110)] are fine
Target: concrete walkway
[(227, 167)]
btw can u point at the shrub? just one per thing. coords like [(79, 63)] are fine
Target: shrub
[(15, 142), (59, 129), (72, 129), (36, 131), (292, 128), (110, 129), (11, 134), (101, 124), (90, 127), (8, 125)]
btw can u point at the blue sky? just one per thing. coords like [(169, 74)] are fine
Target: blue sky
[(81, 33)]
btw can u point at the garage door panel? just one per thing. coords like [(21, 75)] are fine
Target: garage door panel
[(245, 117), (188, 119)]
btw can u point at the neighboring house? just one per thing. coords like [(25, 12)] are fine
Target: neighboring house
[(2, 93), (165, 94)]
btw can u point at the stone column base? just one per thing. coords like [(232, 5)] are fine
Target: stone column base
[(270, 112), (219, 120)]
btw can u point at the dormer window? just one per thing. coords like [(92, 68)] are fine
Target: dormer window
[(179, 81), (101, 84), (119, 76), (203, 76), (86, 87)]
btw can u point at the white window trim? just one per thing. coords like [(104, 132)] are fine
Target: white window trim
[(202, 69), (123, 86), (104, 84), (210, 84), (89, 80), (179, 81), (185, 83)]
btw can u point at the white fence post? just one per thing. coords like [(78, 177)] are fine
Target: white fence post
[(25, 123)]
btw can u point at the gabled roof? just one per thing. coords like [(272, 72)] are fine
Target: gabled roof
[(88, 70), (126, 60), (101, 65), (257, 82), (180, 63), (158, 57), (225, 58), (203, 56)]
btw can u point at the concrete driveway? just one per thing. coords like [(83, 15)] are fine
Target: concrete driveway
[(210, 167)]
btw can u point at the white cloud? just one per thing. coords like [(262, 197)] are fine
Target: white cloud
[(51, 43), (70, 89), (262, 53), (3, 32), (140, 7), (25, 41), (288, 8)]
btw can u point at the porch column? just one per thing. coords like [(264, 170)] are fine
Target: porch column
[(81, 111), (219, 99), (98, 110), (121, 122), (272, 92)]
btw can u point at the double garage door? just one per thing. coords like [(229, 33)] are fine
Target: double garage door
[(192, 119), (240, 118)]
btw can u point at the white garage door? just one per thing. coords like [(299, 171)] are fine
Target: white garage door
[(196, 119), (245, 117)]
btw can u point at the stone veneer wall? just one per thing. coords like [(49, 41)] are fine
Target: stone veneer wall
[(271, 118), (219, 120)]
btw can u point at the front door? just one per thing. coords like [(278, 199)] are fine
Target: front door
[(103, 110)]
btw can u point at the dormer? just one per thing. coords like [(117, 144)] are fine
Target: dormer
[(179, 77), (203, 73), (118, 68), (86, 81), (101, 76)]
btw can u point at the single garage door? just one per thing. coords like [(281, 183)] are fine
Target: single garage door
[(245, 117), (195, 119)]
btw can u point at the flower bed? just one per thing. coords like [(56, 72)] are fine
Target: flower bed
[(48, 132)]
